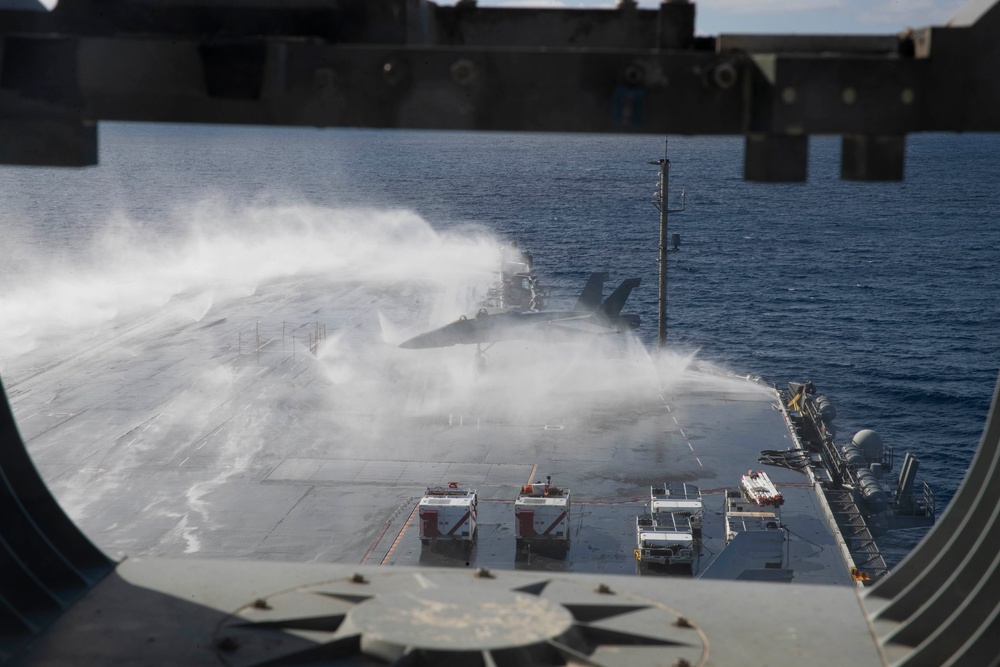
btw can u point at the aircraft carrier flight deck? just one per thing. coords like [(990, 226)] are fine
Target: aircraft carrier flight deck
[(287, 424)]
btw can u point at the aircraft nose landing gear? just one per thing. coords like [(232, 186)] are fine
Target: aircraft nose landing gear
[(479, 361)]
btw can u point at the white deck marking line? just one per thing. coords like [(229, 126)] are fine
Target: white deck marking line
[(214, 431), (683, 434)]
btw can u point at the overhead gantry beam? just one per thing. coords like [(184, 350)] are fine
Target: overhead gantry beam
[(413, 64)]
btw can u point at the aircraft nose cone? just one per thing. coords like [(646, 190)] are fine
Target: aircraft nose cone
[(414, 343), (449, 334), (419, 342), (429, 339)]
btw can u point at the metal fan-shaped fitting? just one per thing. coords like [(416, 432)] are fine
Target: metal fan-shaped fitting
[(458, 619)]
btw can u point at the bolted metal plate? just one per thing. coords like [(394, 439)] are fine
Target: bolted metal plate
[(458, 618)]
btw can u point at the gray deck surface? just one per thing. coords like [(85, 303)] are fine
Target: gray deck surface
[(172, 435)]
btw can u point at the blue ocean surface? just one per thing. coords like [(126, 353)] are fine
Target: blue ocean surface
[(884, 294)]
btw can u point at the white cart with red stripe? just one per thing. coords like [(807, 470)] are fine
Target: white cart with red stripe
[(448, 514), (541, 516)]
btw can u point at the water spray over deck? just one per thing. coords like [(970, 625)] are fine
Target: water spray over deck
[(225, 255), (161, 384), (226, 392)]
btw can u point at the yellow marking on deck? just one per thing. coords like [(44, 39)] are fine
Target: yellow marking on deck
[(399, 536)]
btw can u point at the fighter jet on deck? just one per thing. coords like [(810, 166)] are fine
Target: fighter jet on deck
[(490, 325)]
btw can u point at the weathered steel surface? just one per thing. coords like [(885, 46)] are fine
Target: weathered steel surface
[(417, 65)]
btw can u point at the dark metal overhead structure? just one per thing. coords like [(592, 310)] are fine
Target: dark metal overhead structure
[(412, 64), (46, 563), (941, 605)]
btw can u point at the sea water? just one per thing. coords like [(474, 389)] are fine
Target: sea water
[(884, 294)]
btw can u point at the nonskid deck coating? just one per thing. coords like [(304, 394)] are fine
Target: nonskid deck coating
[(173, 437)]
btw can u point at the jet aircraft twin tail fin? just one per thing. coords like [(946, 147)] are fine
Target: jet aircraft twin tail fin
[(590, 297), (612, 307)]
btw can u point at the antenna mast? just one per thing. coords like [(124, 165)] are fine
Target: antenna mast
[(660, 200)]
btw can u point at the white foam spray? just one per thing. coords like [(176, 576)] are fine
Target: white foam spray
[(158, 342)]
